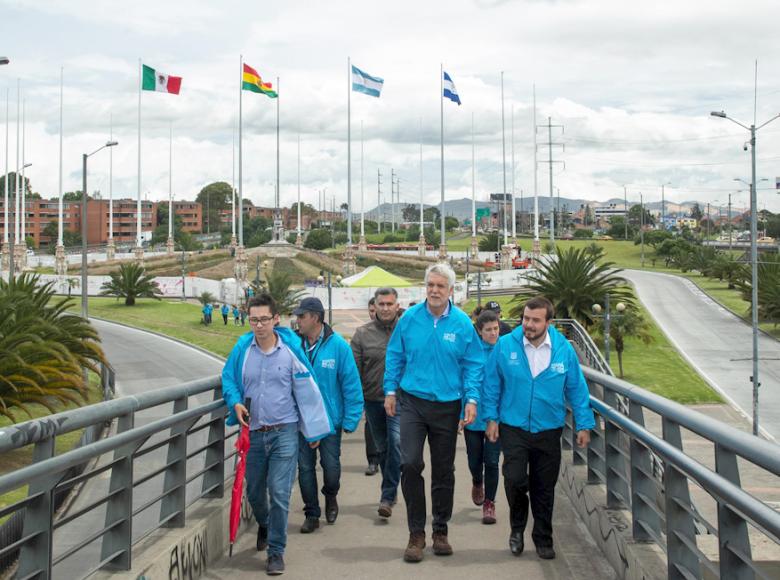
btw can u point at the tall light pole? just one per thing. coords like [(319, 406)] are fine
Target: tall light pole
[(663, 205), (84, 279), (642, 226), (753, 252)]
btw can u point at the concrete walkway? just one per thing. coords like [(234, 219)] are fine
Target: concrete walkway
[(716, 342), (362, 545)]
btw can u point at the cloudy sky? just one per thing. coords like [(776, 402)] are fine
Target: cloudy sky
[(632, 84)]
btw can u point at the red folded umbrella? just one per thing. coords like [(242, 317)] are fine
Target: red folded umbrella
[(242, 447)]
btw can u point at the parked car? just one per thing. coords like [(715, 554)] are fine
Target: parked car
[(765, 240)]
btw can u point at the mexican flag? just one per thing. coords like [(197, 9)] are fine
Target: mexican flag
[(154, 80)]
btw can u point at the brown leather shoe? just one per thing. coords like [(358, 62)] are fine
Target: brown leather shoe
[(414, 550), (441, 547)]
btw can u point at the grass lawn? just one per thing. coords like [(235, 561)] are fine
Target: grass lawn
[(657, 367), (174, 318), (18, 458)]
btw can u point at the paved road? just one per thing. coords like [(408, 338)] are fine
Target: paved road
[(716, 342), (142, 361)]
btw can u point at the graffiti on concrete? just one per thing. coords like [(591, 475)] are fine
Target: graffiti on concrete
[(190, 559)]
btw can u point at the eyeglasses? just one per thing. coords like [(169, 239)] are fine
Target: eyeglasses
[(263, 320)]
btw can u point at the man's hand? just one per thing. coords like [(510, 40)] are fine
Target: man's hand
[(583, 438), (314, 444), (469, 413), (390, 405), (492, 431), (242, 414)]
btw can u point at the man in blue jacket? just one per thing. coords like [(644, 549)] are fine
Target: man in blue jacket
[(339, 382), (529, 377), (268, 366), (434, 364)]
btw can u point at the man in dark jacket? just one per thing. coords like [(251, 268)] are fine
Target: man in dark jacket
[(503, 327), (369, 345)]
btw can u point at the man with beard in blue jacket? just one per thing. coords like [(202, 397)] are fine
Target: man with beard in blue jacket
[(268, 366), (337, 377), (529, 377), (433, 366)]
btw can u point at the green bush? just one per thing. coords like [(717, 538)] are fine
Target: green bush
[(583, 234), (318, 239)]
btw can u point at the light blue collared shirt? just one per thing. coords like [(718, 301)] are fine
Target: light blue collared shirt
[(268, 380)]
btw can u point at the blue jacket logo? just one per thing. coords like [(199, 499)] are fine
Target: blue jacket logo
[(449, 336), (557, 367), (329, 363)]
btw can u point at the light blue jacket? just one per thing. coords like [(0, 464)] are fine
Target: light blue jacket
[(479, 423), (513, 396), (434, 360), (338, 379), (313, 420)]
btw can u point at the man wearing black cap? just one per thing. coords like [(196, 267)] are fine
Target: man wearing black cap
[(339, 382), (503, 327)]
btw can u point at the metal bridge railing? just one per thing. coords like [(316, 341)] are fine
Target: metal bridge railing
[(167, 450), (696, 511)]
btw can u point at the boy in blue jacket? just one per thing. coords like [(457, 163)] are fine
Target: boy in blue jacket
[(529, 377), (268, 367), (339, 382)]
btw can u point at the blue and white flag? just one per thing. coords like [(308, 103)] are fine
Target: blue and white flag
[(449, 89), (365, 83)]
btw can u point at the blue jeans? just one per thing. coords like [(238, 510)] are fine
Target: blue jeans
[(483, 453), (330, 460), (270, 471), (387, 439)]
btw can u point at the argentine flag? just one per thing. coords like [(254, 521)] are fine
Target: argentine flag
[(449, 89), (365, 83)]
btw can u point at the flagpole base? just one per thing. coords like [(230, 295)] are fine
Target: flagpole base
[(299, 240), (60, 261), (138, 255), (348, 265), (233, 241), (442, 258), (240, 266), (6, 253), (20, 256), (506, 256), (422, 246), (362, 244), (474, 248), (110, 249), (170, 246)]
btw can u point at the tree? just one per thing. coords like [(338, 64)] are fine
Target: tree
[(489, 243), (574, 282), (583, 233), (411, 213), (703, 259), (654, 238), (594, 251), (696, 212), (73, 196), (318, 239), (130, 282), (768, 288), (206, 297), (431, 214), (450, 223), (617, 228), (726, 268), (12, 186), (635, 216), (43, 348), (630, 324), (278, 286), (213, 198)]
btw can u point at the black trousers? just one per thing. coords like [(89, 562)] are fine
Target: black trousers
[(438, 422), (531, 465)]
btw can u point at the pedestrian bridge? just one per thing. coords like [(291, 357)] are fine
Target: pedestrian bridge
[(663, 491)]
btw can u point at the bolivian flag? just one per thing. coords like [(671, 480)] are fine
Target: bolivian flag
[(253, 82)]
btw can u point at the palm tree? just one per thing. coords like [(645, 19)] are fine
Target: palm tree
[(726, 268), (594, 250), (574, 281), (130, 282), (43, 349), (206, 297), (630, 324), (278, 286), (768, 288)]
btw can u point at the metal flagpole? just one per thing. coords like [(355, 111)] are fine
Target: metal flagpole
[(138, 200), (422, 203), (443, 248), (349, 153), (473, 183), (59, 204), (536, 185), (171, 211), (23, 204), (512, 138), (362, 199), (278, 98), (110, 180), (233, 188), (299, 184), (5, 206), (16, 173), (503, 162), (240, 154)]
